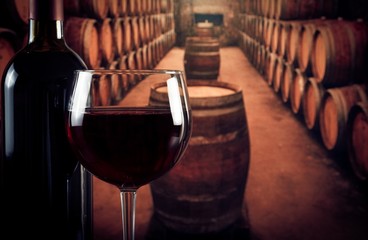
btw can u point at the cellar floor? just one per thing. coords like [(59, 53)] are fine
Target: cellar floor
[(295, 190)]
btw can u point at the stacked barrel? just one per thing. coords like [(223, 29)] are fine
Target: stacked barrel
[(316, 62), (13, 25), (202, 53), (111, 34)]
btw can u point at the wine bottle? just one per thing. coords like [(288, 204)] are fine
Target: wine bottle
[(45, 192)]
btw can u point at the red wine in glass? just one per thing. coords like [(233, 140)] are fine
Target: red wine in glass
[(129, 147), (125, 140)]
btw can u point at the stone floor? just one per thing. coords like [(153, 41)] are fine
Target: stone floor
[(295, 190)]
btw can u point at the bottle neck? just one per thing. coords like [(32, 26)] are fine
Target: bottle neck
[(46, 21)]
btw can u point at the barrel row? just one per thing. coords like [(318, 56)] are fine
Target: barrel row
[(100, 42), (145, 57), (332, 98), (291, 9), (101, 9), (333, 51)]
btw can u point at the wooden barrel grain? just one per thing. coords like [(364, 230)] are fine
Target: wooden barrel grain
[(267, 32), (113, 8), (275, 36), (279, 74), (297, 91), (311, 103), (81, 34), (14, 14), (117, 88), (123, 8), (202, 58), (136, 37), (127, 35), (204, 29), (118, 37), (271, 60), (292, 41), (335, 107), (204, 193), (125, 82), (284, 29), (306, 44), (287, 81), (9, 45), (339, 53), (288, 10), (357, 138), (97, 9), (142, 29), (106, 41)]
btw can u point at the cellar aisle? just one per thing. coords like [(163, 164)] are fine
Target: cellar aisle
[(296, 189)]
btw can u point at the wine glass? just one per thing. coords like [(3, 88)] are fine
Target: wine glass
[(123, 139)]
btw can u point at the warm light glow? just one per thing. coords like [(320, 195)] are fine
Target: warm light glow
[(80, 98), (175, 101)]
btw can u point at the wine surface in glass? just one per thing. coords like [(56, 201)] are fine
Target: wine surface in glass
[(128, 148)]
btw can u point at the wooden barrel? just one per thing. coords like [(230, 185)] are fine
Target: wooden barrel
[(81, 34), (267, 32), (279, 74), (139, 59), (297, 91), (205, 191), (113, 9), (260, 58), (72, 7), (134, 63), (335, 107), (288, 10), (156, 24), (101, 94), (142, 29), (260, 28), (311, 103), (118, 37), (14, 14), (358, 33), (150, 59), (204, 29), (270, 68), (135, 33), (9, 45), (106, 41), (284, 29), (123, 7), (202, 58), (125, 82), (97, 9), (357, 138), (306, 44), (148, 28), (117, 89), (275, 36), (127, 34), (292, 41), (135, 7), (269, 8), (286, 82), (144, 53), (339, 53)]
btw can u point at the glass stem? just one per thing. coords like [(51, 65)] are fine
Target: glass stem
[(128, 199)]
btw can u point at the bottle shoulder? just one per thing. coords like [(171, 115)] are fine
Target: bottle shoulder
[(29, 63)]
